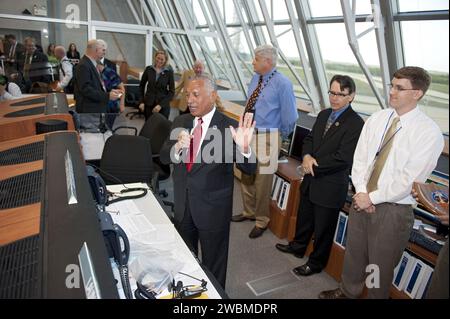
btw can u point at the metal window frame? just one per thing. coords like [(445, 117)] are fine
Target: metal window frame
[(274, 40), (313, 50), (350, 27)]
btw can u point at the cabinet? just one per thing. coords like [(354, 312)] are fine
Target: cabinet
[(283, 221), (336, 260)]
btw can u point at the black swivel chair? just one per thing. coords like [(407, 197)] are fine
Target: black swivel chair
[(127, 159), (157, 130), (133, 97)]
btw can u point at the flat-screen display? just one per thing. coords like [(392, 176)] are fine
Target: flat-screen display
[(295, 149)]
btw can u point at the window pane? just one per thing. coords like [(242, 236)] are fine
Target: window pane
[(197, 11), (331, 8), (44, 33), (339, 59), (219, 68), (176, 47), (432, 55), (420, 5), (125, 47), (240, 46), (230, 12), (57, 9), (277, 9), (112, 11), (288, 46)]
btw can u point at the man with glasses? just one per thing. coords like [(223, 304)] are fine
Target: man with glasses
[(327, 160), (397, 146)]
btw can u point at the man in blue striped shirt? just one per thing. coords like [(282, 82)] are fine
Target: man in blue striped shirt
[(272, 100)]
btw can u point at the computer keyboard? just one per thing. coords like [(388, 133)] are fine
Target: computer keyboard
[(424, 242)]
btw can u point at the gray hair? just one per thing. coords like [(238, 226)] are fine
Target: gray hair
[(199, 62), (209, 82), (269, 52), (60, 48), (102, 43), (94, 43)]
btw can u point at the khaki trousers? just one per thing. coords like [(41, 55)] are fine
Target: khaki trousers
[(378, 240), (256, 188)]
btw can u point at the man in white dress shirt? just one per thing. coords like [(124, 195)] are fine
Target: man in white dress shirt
[(397, 146), (65, 69)]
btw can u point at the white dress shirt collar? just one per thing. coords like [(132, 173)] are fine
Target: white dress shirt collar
[(206, 120), (408, 118)]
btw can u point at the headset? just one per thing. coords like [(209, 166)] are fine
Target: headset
[(179, 291)]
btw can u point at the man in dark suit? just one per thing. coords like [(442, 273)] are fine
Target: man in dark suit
[(12, 50), (203, 190), (33, 64), (327, 160), (89, 91)]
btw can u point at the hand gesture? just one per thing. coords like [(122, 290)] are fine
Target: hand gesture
[(184, 141), (308, 164), (156, 109), (141, 107), (244, 133)]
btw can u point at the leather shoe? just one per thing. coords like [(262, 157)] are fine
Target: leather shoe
[(304, 270), (240, 218), (289, 250), (256, 232), (333, 294)]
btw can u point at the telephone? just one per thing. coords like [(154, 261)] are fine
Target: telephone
[(118, 247), (116, 240), (98, 186)]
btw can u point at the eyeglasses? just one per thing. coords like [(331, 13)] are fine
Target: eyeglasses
[(341, 95), (398, 88)]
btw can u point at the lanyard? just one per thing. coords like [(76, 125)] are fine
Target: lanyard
[(266, 82), (382, 145)]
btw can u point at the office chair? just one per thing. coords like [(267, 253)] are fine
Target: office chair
[(133, 97), (126, 159), (157, 130)]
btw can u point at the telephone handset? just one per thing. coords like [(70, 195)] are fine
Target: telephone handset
[(118, 247), (98, 186), (115, 238)]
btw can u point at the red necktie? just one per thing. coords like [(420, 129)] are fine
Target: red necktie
[(195, 144)]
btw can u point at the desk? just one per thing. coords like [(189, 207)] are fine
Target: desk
[(168, 240)]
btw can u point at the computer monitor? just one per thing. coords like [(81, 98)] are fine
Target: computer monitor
[(295, 149)]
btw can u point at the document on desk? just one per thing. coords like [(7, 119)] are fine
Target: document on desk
[(137, 225), (123, 208), (134, 224)]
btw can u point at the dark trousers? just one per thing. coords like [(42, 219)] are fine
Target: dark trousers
[(320, 221), (214, 244), (439, 282)]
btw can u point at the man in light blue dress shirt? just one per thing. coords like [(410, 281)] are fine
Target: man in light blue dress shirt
[(272, 100)]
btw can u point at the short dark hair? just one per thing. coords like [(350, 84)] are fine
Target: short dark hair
[(419, 78), (345, 82), (10, 36)]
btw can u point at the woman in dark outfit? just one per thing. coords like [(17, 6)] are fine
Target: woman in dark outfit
[(160, 86)]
